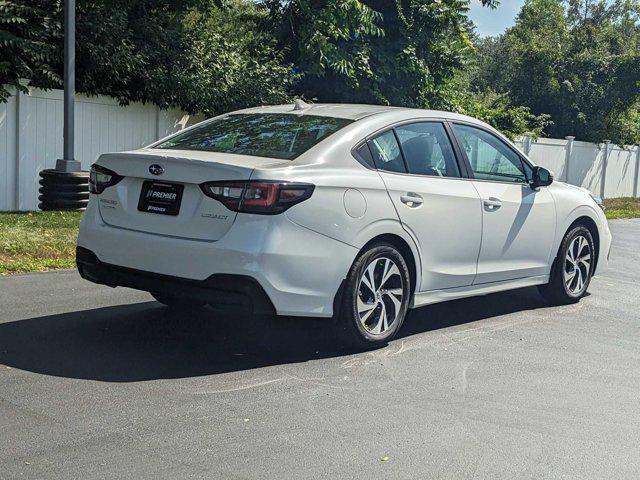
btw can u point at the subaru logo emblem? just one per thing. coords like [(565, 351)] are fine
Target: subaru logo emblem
[(156, 169)]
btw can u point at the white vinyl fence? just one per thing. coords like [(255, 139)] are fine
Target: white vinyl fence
[(31, 140), (31, 136), (606, 169)]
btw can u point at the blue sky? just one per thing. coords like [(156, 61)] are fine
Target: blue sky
[(494, 22)]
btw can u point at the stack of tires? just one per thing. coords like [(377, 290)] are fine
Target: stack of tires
[(63, 191)]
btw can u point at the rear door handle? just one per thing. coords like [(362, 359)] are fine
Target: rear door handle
[(412, 200), (492, 203)]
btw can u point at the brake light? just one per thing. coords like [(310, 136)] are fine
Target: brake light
[(101, 178), (258, 196)]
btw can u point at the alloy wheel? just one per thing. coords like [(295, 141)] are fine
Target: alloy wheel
[(380, 294), (577, 265)]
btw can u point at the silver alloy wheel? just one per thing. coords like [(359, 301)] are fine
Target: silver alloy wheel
[(380, 295), (577, 265)]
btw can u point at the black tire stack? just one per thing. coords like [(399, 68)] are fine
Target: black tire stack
[(63, 191)]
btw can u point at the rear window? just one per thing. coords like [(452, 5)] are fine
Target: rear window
[(274, 135)]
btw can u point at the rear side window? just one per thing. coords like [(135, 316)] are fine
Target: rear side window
[(363, 155), (273, 135), (427, 149), (386, 153)]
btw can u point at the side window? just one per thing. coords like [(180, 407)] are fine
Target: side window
[(386, 152), (363, 155), (427, 149), (490, 157)]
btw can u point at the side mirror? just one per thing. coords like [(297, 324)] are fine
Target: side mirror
[(541, 177)]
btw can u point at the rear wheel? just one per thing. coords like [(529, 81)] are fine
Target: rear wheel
[(375, 298), (175, 302), (573, 268)]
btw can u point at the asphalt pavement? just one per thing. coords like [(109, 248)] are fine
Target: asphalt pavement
[(100, 383)]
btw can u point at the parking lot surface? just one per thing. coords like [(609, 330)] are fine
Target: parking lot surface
[(106, 383)]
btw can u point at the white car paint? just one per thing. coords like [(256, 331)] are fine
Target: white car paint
[(446, 227), (460, 242), (516, 239)]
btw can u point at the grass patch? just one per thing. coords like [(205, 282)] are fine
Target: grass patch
[(625, 207), (36, 241)]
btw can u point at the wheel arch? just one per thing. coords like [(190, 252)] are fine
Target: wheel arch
[(390, 232), (592, 226), (403, 247)]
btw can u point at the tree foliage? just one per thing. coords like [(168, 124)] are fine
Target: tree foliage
[(212, 56), (403, 52), (29, 36), (577, 60), (498, 111), (195, 54), (232, 61)]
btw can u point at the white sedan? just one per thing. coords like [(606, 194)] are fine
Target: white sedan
[(351, 212)]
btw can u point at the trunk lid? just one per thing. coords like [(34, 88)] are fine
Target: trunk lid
[(199, 217)]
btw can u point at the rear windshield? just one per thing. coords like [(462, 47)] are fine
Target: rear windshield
[(274, 135)]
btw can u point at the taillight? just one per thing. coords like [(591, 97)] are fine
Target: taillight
[(258, 196), (101, 178)]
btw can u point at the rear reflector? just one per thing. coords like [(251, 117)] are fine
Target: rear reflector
[(258, 196)]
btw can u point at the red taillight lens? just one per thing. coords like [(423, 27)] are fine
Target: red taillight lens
[(255, 196), (101, 178), (260, 195)]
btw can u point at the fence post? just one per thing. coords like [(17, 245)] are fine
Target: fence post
[(635, 176), (527, 144), (157, 134), (21, 131), (16, 151), (567, 160), (607, 144)]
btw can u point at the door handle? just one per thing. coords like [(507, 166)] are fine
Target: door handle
[(492, 203), (412, 200)]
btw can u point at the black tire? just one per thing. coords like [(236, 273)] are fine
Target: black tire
[(557, 291), (63, 195), (53, 176), (62, 204), (63, 187), (350, 328), (66, 191), (178, 303)]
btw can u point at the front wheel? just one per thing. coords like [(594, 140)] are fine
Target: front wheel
[(573, 268), (375, 298)]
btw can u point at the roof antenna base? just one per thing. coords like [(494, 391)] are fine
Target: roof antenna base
[(300, 104)]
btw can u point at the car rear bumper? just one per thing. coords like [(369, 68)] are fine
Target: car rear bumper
[(233, 292), (299, 270)]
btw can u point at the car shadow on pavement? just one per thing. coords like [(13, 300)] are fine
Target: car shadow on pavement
[(146, 341)]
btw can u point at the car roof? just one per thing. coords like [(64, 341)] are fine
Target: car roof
[(353, 111)]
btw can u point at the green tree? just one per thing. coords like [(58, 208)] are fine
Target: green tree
[(210, 56), (28, 38), (578, 61), (498, 111), (198, 55), (232, 61), (403, 53)]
